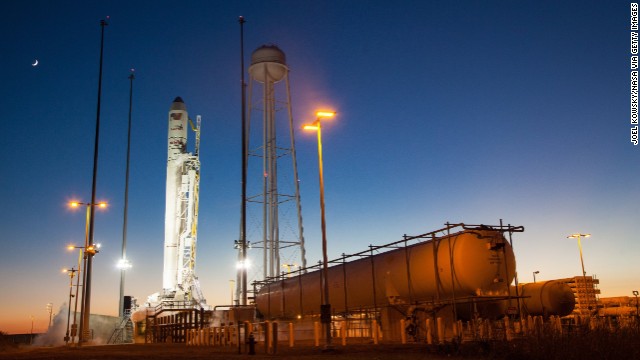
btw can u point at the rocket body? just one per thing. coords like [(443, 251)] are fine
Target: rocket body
[(179, 281), (177, 154)]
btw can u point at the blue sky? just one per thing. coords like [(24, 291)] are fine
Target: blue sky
[(463, 112)]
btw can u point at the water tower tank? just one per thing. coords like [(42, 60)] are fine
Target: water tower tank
[(268, 64)]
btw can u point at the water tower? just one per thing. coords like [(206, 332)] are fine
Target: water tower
[(274, 220)]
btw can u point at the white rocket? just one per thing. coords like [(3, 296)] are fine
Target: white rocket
[(181, 214)]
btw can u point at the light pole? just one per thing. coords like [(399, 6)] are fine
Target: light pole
[(89, 251), (584, 273), (74, 327), (534, 275), (288, 267), (635, 293), (86, 298), (242, 279), (124, 264), (325, 308), (72, 272)]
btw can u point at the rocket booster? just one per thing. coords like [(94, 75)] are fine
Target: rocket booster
[(176, 146)]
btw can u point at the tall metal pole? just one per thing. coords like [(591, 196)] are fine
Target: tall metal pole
[(87, 285), (326, 307), (85, 256), (123, 259), (243, 232)]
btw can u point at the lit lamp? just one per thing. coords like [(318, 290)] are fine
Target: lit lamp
[(325, 308), (89, 251), (584, 273), (124, 264)]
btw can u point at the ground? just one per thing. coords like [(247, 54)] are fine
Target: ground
[(176, 351)]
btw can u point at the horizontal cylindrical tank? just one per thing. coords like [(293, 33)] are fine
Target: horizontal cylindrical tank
[(468, 263), (547, 298), (544, 298), (618, 311)]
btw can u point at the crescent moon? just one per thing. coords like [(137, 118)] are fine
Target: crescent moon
[(35, 63)]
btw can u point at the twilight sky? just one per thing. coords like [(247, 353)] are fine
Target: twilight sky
[(448, 111)]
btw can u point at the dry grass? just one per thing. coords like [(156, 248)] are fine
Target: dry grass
[(588, 344), (597, 344)]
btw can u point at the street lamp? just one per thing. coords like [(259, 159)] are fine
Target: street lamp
[(584, 273), (534, 275), (86, 299), (74, 327), (89, 251), (72, 272), (288, 267), (635, 293), (325, 308)]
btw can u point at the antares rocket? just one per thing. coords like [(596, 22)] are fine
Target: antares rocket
[(179, 282)]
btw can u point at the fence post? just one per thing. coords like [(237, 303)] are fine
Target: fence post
[(274, 337), (374, 330), (291, 340), (267, 337), (440, 324), (343, 332), (316, 332), (507, 329)]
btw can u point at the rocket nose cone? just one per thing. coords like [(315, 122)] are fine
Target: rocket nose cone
[(178, 104)]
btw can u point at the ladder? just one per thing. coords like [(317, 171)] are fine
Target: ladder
[(123, 333)]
